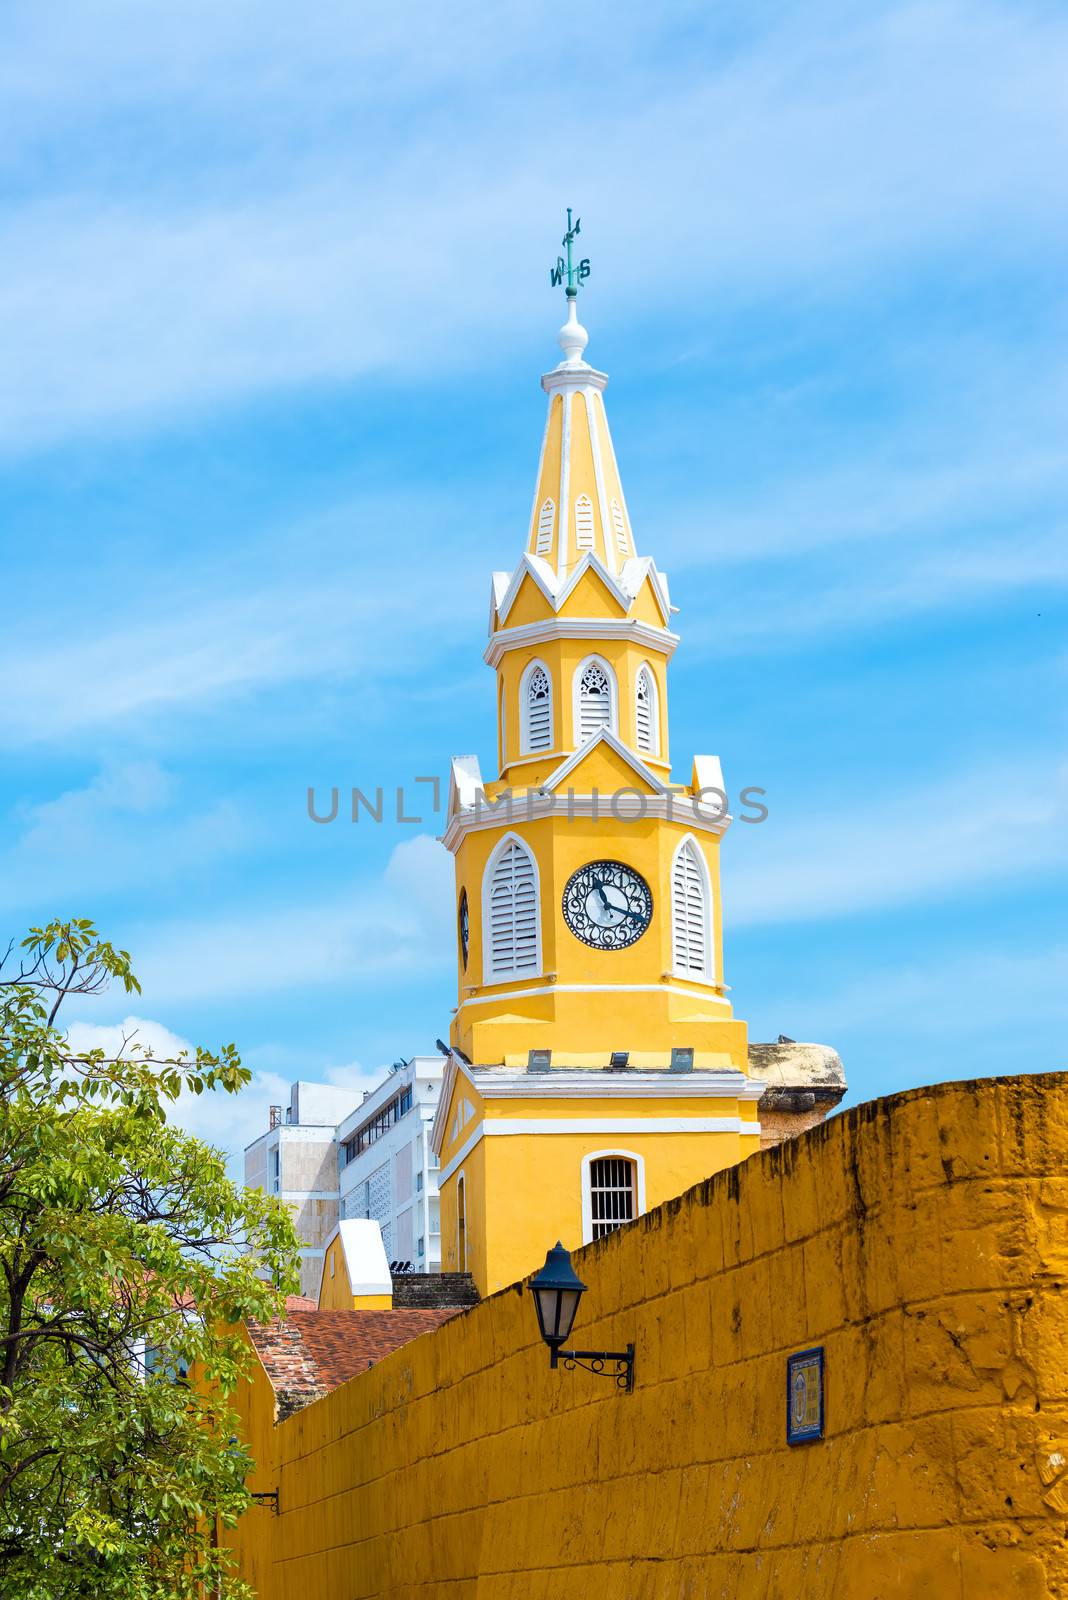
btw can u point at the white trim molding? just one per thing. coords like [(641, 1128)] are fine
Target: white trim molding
[(531, 805), (619, 1127), (662, 640), (712, 999), (587, 1196)]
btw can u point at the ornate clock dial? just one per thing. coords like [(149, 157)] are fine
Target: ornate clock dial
[(607, 905), (463, 922)]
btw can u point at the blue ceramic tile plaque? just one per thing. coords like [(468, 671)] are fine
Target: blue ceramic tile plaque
[(804, 1396)]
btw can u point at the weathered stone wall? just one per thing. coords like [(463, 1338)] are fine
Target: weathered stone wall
[(922, 1241)]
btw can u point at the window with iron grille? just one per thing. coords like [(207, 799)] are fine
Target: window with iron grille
[(612, 1196)]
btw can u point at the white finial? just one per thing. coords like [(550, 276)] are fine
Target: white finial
[(572, 337)]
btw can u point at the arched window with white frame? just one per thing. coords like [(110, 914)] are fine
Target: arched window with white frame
[(461, 1222), (510, 913), (595, 699), (691, 914), (535, 709), (613, 1191), (647, 711)]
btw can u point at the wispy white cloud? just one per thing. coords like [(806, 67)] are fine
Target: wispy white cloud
[(925, 842), (121, 827), (383, 928), (229, 1122), (817, 150)]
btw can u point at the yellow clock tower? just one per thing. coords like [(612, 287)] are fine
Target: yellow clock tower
[(595, 1067), (588, 904)]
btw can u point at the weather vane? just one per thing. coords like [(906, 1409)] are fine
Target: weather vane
[(566, 268)]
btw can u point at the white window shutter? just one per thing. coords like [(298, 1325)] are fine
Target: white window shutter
[(620, 528), (583, 523), (539, 709), (546, 520), (595, 701), (513, 914), (690, 920), (645, 710)]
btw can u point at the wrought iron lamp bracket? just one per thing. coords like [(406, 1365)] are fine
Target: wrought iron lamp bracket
[(264, 1495), (617, 1364)]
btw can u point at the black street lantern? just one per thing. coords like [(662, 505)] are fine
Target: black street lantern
[(557, 1289)]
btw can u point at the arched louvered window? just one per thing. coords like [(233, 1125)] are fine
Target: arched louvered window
[(583, 523), (594, 699), (619, 527), (645, 712), (510, 913), (546, 519), (536, 709), (691, 914)]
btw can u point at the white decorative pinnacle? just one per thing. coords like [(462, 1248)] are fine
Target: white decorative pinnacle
[(572, 337)]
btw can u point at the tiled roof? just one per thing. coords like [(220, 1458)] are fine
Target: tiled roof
[(311, 1352), (300, 1302)]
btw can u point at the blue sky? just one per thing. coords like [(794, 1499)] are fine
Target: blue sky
[(276, 302)]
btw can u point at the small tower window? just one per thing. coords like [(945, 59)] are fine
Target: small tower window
[(645, 711), (620, 529), (613, 1191), (510, 914), (546, 520), (691, 923), (595, 709), (536, 709), (583, 523)]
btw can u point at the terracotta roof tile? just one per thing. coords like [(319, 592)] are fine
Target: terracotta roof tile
[(311, 1352)]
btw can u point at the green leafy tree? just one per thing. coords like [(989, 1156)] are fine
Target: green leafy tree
[(126, 1257)]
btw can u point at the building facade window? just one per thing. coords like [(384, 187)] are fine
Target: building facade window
[(595, 699), (510, 913), (691, 913), (535, 709), (646, 709), (613, 1191), (378, 1125)]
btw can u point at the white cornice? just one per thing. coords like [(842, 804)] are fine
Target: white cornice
[(577, 377), (610, 1127), (710, 996), (599, 1083), (662, 640), (532, 805)]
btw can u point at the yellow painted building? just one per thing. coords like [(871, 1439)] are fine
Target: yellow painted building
[(597, 1067)]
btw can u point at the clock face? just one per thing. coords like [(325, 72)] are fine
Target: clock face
[(463, 921), (607, 905)]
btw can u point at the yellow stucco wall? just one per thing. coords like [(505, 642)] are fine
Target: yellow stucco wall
[(922, 1241), (588, 1024)]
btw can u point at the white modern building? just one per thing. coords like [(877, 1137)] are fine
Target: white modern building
[(296, 1159), (387, 1169)]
